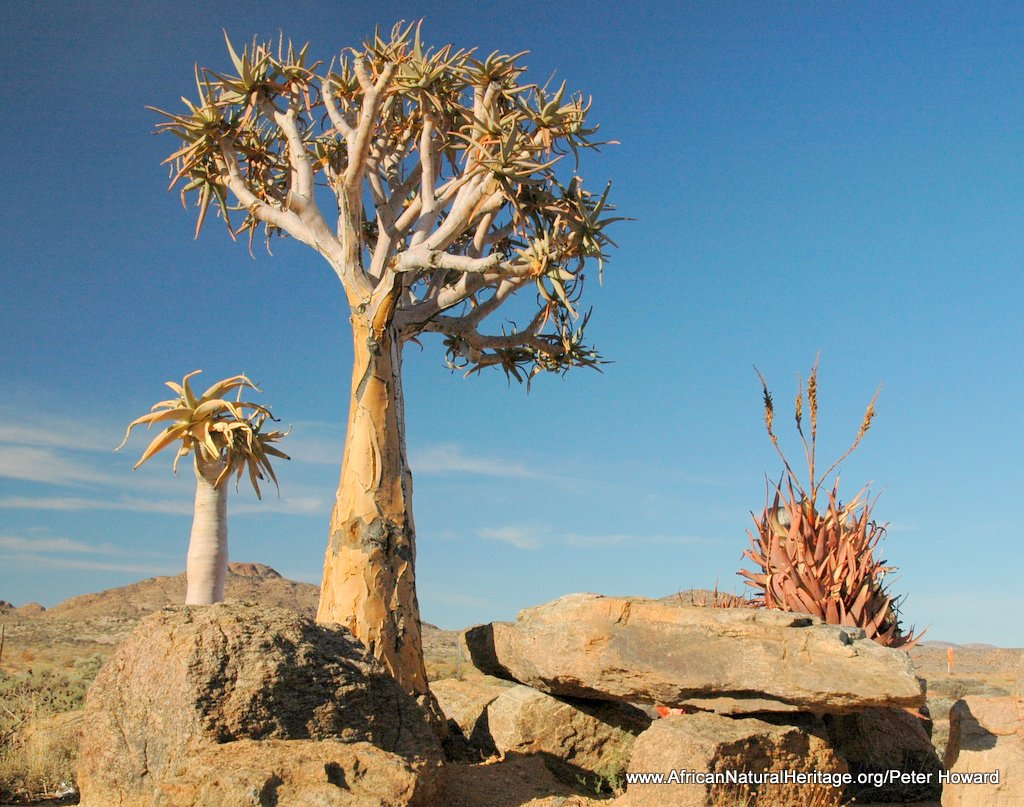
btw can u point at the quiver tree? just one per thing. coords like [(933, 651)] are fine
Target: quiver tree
[(429, 181), (226, 438)]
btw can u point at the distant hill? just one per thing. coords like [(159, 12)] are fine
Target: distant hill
[(94, 624), (246, 581), (969, 646)]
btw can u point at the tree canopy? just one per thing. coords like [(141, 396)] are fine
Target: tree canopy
[(445, 177)]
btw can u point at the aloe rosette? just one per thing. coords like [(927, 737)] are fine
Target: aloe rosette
[(815, 554)]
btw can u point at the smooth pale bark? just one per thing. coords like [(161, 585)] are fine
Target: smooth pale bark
[(369, 583), (206, 567)]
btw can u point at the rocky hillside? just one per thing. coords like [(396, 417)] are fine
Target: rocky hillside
[(246, 581), (93, 624)]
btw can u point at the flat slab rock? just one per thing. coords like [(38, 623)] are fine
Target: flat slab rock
[(650, 651)]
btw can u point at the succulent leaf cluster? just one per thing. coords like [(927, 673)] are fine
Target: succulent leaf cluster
[(219, 432)]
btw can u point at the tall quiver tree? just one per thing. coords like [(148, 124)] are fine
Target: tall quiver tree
[(443, 176)]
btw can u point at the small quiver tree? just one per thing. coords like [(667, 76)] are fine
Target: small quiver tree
[(225, 438), (815, 554), (433, 184)]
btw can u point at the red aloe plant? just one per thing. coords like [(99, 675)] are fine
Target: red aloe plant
[(819, 557)]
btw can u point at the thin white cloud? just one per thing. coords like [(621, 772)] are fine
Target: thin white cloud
[(34, 453), (315, 442), (72, 503), (59, 433), (532, 538), (323, 443), (93, 565), (575, 539), (17, 543), (59, 552), (519, 537), (293, 505), (446, 458), (33, 464)]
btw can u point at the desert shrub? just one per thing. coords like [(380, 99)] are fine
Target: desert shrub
[(38, 739), (703, 598), (769, 795), (816, 554)]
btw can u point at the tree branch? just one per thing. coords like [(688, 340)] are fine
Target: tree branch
[(411, 215), (362, 73), (418, 258), (359, 143), (343, 126), (464, 329), (506, 288), (281, 218), (480, 236), (428, 174), (302, 172), (439, 241), (442, 300), (457, 220), (399, 193), (382, 250), (310, 229)]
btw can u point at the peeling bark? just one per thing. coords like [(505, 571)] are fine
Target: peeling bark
[(369, 583), (206, 566)]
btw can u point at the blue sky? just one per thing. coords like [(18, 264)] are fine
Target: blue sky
[(834, 177)]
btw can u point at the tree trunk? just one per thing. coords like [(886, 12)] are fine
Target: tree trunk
[(206, 568), (369, 581)]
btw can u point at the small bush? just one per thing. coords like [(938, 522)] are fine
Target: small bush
[(769, 795), (38, 738)]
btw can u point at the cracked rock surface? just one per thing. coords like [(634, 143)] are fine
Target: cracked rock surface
[(192, 679)]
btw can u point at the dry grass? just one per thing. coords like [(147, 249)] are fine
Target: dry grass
[(39, 728), (783, 795), (441, 668), (705, 598)]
